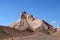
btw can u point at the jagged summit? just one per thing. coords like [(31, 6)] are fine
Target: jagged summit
[(26, 16), (23, 16), (27, 21)]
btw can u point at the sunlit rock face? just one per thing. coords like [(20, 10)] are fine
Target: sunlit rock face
[(27, 21), (22, 25), (26, 16), (22, 21)]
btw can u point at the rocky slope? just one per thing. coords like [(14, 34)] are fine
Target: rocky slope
[(7, 33)]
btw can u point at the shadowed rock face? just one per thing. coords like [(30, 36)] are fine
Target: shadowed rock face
[(28, 22)]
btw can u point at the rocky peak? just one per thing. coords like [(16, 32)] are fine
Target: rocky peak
[(26, 16), (28, 22)]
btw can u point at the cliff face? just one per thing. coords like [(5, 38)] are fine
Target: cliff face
[(27, 21)]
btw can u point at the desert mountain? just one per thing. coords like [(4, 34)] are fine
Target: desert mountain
[(29, 28), (27, 21)]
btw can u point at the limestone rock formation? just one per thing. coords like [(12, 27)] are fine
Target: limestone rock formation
[(28, 22), (26, 16)]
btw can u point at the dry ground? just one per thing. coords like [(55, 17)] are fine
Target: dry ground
[(7, 33)]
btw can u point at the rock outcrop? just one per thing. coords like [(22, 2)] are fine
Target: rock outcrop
[(28, 22)]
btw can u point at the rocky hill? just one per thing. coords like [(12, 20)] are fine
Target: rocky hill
[(29, 28), (26, 21)]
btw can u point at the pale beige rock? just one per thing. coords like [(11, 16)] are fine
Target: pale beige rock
[(35, 24), (27, 21), (26, 16), (22, 25)]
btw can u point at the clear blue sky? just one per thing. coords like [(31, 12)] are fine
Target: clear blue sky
[(48, 10)]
